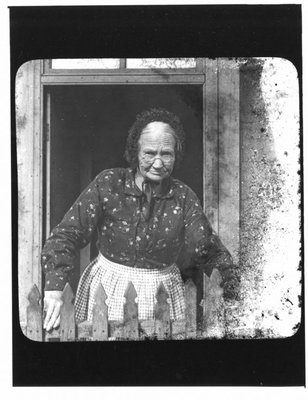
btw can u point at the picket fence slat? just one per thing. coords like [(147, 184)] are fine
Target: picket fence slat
[(100, 315), (191, 309), (213, 324), (130, 310), (67, 316), (131, 327), (162, 313), (34, 315)]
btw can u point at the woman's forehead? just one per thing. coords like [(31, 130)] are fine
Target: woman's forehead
[(157, 133), (157, 126)]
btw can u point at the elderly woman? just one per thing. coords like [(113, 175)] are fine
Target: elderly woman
[(144, 219)]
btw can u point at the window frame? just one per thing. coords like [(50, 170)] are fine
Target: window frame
[(122, 70)]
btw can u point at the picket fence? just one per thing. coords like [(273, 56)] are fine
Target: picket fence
[(210, 324)]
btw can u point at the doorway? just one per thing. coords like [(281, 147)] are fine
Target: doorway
[(88, 126)]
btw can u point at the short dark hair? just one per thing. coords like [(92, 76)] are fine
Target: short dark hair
[(145, 118)]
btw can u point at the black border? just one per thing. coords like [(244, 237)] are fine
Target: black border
[(152, 31)]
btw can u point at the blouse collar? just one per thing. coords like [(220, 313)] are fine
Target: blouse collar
[(132, 189)]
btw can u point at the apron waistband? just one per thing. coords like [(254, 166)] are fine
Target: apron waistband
[(124, 269)]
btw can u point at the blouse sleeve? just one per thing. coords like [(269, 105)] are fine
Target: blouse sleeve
[(203, 245), (73, 233)]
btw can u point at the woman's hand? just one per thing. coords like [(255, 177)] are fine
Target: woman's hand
[(52, 307)]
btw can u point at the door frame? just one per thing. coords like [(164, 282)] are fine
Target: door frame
[(221, 148)]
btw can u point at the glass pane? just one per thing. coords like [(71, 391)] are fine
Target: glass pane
[(85, 63), (161, 63)]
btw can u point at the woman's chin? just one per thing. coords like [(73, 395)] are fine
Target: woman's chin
[(155, 177)]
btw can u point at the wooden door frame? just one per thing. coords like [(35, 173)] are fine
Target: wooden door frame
[(221, 162), (222, 150)]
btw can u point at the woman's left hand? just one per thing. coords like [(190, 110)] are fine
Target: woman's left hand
[(52, 306)]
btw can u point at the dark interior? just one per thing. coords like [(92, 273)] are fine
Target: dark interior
[(88, 130)]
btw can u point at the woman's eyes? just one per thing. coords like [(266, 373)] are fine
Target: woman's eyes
[(165, 153)]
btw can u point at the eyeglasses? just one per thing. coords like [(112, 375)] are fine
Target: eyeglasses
[(165, 158)]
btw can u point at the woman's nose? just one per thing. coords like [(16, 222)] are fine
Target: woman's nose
[(158, 163)]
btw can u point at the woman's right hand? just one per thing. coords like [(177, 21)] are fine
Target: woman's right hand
[(52, 306)]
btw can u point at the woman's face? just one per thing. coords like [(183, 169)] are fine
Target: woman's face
[(156, 151)]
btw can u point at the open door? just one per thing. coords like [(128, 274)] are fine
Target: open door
[(86, 131)]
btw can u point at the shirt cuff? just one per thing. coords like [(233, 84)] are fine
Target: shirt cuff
[(55, 281)]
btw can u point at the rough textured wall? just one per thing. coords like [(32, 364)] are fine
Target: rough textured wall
[(269, 303)]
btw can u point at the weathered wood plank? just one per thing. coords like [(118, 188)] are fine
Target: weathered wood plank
[(34, 316), (147, 330), (130, 309), (100, 315), (67, 316), (116, 330), (191, 309), (84, 330), (162, 313), (229, 155), (213, 307), (29, 168), (210, 142), (52, 335), (178, 329), (120, 79), (47, 137)]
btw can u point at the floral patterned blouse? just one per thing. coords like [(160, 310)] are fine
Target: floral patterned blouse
[(112, 206)]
